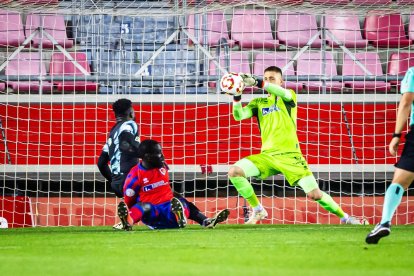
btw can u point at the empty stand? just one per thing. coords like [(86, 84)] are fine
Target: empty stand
[(27, 64), (346, 29), (399, 64), (215, 28), (329, 2), (11, 29), (385, 31), (296, 29), (371, 2), (61, 66), (252, 29), (279, 59), (411, 27), (372, 63), (2, 86), (238, 61), (312, 64), (52, 24)]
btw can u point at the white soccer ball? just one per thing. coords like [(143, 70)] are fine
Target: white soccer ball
[(232, 84)]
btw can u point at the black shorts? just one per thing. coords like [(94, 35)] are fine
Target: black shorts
[(406, 161)]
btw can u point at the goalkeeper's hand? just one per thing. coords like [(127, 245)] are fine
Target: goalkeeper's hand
[(250, 80)]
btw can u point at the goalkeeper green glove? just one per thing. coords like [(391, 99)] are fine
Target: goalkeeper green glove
[(250, 80)]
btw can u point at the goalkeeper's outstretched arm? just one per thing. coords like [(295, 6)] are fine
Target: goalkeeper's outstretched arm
[(240, 112), (250, 80)]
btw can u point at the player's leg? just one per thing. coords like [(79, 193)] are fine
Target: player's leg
[(194, 213), (221, 216), (117, 186), (238, 174), (392, 199), (180, 211)]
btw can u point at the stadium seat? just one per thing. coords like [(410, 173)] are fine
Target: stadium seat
[(346, 29), (279, 59), (385, 31), (411, 27), (371, 2), (52, 24), (11, 29), (399, 64), (2, 86), (311, 64), (295, 29), (239, 62), (372, 62), (27, 64), (215, 28), (329, 2), (252, 29), (61, 66)]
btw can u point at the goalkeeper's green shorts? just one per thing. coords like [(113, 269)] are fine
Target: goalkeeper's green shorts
[(292, 165)]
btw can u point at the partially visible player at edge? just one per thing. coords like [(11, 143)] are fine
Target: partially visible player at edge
[(121, 151), (404, 168), (280, 152), (148, 196)]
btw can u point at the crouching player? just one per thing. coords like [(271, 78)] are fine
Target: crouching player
[(148, 196)]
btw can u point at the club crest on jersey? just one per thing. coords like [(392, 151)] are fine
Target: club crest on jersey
[(145, 180), (163, 171), (267, 110)]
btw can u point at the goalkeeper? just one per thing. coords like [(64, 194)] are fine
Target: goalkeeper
[(280, 152)]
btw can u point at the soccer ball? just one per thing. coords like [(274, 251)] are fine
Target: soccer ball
[(232, 84)]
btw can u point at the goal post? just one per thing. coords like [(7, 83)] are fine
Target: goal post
[(63, 64)]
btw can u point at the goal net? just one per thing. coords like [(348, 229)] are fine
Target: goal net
[(63, 64)]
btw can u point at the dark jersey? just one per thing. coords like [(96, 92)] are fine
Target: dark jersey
[(121, 162)]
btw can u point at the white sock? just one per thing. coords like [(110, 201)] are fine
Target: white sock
[(258, 208)]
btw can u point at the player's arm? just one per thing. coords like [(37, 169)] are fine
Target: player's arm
[(129, 138), (103, 161), (131, 187), (404, 110), (240, 112), (274, 89)]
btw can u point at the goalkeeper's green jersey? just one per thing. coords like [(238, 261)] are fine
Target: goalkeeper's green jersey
[(277, 123)]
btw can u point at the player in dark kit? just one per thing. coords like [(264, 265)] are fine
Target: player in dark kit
[(121, 147), (148, 196)]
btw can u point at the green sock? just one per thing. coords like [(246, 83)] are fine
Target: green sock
[(330, 205), (245, 189)]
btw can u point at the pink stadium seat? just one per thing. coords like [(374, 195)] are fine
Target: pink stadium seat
[(27, 64), (252, 29), (279, 59), (2, 86), (295, 29), (411, 27), (346, 29), (311, 64), (372, 62), (329, 2), (53, 24), (371, 2), (399, 64), (216, 28), (11, 29), (61, 66), (404, 1), (386, 31), (239, 62)]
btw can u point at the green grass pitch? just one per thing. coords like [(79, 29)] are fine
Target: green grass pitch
[(226, 250)]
